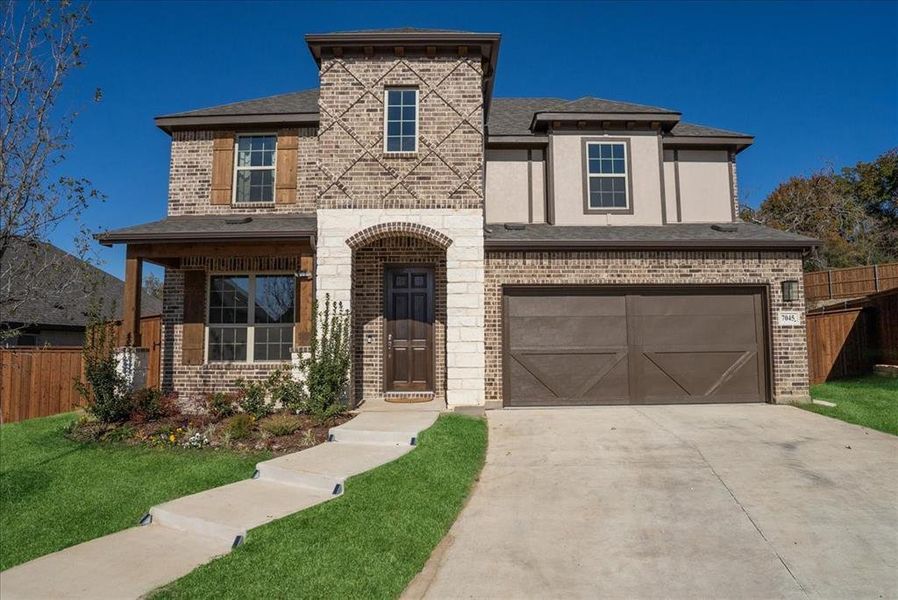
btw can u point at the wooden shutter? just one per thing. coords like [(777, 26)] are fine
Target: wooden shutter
[(193, 333), (285, 186), (222, 166)]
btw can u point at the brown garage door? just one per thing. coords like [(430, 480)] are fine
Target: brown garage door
[(575, 346)]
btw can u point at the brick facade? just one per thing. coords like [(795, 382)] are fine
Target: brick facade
[(190, 177), (447, 170), (368, 313), (768, 269), (192, 382)]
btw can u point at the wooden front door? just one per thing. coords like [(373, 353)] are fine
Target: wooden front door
[(408, 306)]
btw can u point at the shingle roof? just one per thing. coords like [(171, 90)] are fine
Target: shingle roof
[(305, 101), (735, 235), (75, 285), (695, 130), (208, 227), (508, 116), (402, 30)]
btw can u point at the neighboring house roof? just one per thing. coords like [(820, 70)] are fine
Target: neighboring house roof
[(211, 227), (507, 117), (75, 285), (692, 235)]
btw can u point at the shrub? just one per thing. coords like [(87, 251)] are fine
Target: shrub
[(280, 424), (327, 368), (285, 390), (239, 427), (221, 405), (253, 398), (149, 404), (105, 392)]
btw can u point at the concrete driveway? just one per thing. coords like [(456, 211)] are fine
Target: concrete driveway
[(739, 501)]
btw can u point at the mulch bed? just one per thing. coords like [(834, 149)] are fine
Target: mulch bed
[(203, 431)]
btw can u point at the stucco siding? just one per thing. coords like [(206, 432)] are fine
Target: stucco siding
[(569, 178), (705, 194), (507, 194)]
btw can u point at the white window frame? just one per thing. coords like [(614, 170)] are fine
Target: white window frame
[(625, 175), (273, 168), (251, 317), (387, 90)]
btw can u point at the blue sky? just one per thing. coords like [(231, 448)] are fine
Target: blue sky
[(814, 82)]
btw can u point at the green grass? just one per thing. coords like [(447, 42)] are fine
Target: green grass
[(369, 542), (55, 493), (870, 401)]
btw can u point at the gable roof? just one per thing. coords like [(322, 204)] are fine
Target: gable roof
[(76, 283)]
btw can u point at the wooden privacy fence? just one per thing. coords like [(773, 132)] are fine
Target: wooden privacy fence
[(850, 283), (840, 344), (39, 382)]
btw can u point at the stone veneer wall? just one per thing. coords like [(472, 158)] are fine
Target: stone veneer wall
[(789, 345), (464, 282), (190, 177), (368, 315)]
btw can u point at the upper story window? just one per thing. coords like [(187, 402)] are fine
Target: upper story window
[(254, 168), (401, 120), (251, 317), (606, 174)]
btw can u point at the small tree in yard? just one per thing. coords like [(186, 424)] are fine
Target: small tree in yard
[(327, 368), (105, 392)]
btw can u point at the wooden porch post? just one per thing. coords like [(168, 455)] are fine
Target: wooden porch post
[(304, 299), (130, 330)]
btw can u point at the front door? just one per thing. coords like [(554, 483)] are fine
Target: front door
[(408, 301)]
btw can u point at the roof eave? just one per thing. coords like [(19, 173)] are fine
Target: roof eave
[(740, 143), (110, 239), (669, 119), (170, 123), (652, 245)]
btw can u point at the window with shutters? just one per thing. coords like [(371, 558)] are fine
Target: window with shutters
[(251, 317), (254, 168)]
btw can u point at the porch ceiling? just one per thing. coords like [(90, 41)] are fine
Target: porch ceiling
[(211, 228)]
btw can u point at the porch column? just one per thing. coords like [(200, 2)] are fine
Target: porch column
[(130, 329)]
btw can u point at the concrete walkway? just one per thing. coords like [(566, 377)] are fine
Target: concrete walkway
[(740, 501), (182, 534)]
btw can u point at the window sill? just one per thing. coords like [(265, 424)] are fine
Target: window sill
[(240, 365), (252, 204), (400, 154)]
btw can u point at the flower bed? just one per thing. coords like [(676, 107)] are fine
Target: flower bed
[(280, 433)]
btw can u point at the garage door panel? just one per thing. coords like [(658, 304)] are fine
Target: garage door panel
[(676, 329), (583, 347), (693, 373), (567, 305), (568, 377), (695, 304), (565, 332)]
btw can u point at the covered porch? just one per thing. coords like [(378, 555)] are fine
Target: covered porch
[(238, 296)]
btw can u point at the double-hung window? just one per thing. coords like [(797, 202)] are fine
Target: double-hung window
[(606, 175), (251, 317), (254, 168), (401, 120)]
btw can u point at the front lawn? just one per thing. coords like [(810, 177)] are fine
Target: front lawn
[(870, 401), (55, 492), (369, 542)]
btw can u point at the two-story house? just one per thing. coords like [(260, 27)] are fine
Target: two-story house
[(492, 251)]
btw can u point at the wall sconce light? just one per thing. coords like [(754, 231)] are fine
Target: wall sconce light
[(790, 290)]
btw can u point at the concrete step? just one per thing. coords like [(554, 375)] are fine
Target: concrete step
[(327, 466), (226, 513), (384, 428), (127, 564)]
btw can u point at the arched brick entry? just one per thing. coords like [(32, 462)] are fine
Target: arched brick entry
[(398, 229)]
